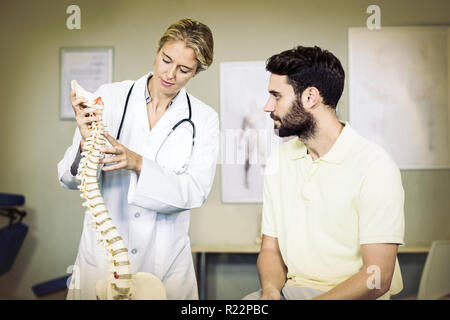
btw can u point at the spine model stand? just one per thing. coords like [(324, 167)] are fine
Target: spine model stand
[(121, 284)]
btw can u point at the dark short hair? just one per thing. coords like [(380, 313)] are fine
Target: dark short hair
[(310, 67)]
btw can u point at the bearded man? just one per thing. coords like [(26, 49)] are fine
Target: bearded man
[(333, 201)]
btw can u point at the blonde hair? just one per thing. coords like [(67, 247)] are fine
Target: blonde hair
[(196, 36)]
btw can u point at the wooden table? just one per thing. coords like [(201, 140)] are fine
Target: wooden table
[(202, 250)]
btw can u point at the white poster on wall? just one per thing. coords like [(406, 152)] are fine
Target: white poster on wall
[(247, 131), (399, 92), (91, 67)]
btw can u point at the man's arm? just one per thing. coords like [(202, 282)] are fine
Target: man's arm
[(271, 269), (373, 280)]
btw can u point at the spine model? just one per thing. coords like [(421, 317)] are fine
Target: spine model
[(107, 234), (121, 284)]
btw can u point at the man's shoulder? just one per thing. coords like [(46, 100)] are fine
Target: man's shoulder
[(371, 154)]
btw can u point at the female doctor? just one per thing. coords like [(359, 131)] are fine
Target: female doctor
[(151, 179)]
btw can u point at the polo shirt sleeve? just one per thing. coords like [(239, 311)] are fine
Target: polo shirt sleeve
[(268, 224), (381, 203)]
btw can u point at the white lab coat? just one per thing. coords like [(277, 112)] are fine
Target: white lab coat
[(150, 210)]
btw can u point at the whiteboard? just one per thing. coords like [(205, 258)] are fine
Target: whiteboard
[(398, 92)]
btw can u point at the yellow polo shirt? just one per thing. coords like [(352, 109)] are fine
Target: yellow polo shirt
[(322, 211)]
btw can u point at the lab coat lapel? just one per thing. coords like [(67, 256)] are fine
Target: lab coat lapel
[(136, 117)]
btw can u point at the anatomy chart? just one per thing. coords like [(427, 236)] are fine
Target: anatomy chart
[(247, 135)]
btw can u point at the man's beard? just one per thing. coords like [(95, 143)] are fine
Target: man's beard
[(297, 122)]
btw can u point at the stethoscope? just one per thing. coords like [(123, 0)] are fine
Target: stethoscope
[(186, 164)]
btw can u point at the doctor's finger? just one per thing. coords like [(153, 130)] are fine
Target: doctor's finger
[(120, 165), (111, 140), (79, 104), (87, 120), (73, 97), (87, 110), (117, 159), (111, 150)]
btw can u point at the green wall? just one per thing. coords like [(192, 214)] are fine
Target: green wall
[(33, 138)]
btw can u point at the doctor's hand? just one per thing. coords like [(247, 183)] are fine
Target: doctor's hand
[(82, 116), (124, 157)]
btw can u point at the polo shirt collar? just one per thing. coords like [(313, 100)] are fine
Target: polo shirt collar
[(338, 152), (298, 150), (341, 148)]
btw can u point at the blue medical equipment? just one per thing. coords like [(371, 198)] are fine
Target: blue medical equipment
[(12, 235)]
